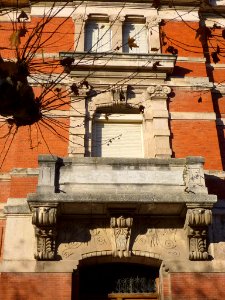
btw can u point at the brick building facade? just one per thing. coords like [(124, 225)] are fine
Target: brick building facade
[(121, 195)]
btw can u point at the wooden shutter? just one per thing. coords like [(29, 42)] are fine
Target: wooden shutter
[(137, 31), (117, 140)]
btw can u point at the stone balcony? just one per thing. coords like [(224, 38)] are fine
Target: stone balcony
[(98, 185), (120, 200)]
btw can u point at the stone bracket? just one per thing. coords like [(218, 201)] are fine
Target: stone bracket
[(44, 218), (121, 235), (198, 220)]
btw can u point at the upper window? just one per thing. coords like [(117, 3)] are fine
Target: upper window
[(97, 36), (135, 39)]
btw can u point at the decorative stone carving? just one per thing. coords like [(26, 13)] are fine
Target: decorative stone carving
[(116, 18), (122, 231), (194, 177), (158, 91), (119, 94), (198, 220), (44, 218), (80, 18), (151, 239), (152, 21)]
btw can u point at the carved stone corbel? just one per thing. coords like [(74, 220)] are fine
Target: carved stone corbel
[(198, 220), (121, 235), (44, 218)]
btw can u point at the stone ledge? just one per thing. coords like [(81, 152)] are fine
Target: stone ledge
[(148, 204), (113, 161), (195, 266), (172, 266), (96, 197), (192, 116), (33, 266), (17, 206)]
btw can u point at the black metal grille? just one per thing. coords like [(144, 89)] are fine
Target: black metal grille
[(134, 285)]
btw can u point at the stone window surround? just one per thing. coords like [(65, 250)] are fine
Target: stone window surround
[(156, 133), (116, 22)]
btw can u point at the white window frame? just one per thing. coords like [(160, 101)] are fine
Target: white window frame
[(138, 31), (103, 42)]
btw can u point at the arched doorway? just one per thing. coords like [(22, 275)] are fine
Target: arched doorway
[(116, 281)]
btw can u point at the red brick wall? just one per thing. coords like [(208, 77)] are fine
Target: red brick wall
[(196, 138), (25, 148), (4, 190), (185, 43), (198, 286), (21, 186), (52, 39), (57, 286), (35, 286), (188, 101), (186, 69)]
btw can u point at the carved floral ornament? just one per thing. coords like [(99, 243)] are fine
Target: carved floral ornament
[(198, 220)]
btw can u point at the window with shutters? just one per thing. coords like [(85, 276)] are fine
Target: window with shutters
[(97, 36), (135, 38), (117, 135)]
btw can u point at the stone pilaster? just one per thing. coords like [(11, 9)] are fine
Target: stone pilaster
[(153, 33), (45, 218), (156, 119), (79, 23), (198, 220)]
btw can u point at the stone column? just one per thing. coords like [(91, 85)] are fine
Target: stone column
[(156, 119), (198, 220), (79, 22), (116, 23), (153, 33), (45, 218)]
